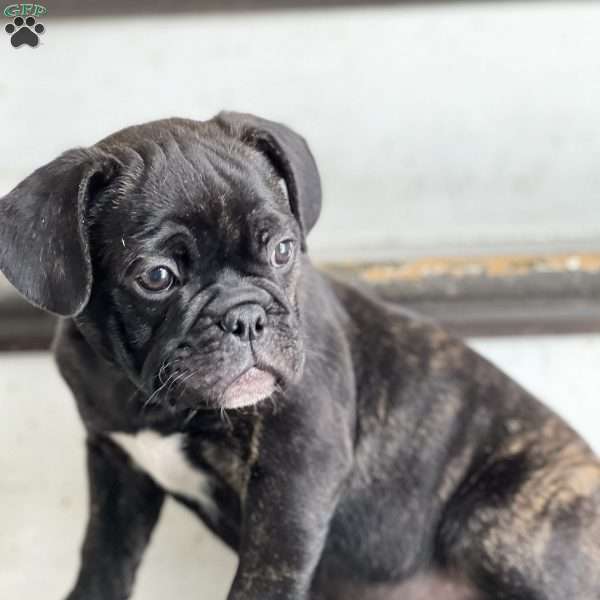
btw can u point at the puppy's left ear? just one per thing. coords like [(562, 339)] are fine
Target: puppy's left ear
[(44, 250), (290, 156)]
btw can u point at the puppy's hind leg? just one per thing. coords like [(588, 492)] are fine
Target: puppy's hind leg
[(535, 539)]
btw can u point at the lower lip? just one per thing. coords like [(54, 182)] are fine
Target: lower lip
[(249, 388)]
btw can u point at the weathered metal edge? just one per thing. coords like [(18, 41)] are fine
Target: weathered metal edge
[(486, 296), (116, 8), (492, 295)]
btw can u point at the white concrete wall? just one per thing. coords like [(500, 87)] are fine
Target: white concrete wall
[(42, 487), (438, 128)]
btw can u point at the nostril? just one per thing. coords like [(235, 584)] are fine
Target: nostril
[(258, 326), (239, 328)]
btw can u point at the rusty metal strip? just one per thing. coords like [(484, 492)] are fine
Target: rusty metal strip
[(460, 267)]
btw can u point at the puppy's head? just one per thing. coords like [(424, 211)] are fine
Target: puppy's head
[(177, 247)]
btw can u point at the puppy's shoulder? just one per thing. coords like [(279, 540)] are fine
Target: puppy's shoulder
[(377, 320)]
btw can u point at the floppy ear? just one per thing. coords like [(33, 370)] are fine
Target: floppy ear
[(43, 231), (289, 154)]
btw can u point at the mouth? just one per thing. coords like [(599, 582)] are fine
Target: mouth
[(250, 387)]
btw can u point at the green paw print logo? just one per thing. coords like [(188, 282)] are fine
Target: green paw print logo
[(25, 29)]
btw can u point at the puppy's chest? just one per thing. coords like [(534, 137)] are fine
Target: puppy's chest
[(196, 470)]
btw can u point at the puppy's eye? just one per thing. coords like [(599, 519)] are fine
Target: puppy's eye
[(282, 253), (157, 279)]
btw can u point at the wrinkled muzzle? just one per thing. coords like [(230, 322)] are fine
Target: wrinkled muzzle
[(236, 345)]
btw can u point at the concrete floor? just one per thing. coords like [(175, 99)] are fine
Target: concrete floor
[(43, 495)]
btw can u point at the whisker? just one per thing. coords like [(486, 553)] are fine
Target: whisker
[(192, 414), (174, 381), (225, 417), (182, 382), (157, 391)]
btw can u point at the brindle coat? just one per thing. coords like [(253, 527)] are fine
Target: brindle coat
[(392, 463)]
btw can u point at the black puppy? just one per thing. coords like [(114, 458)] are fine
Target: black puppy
[(344, 449)]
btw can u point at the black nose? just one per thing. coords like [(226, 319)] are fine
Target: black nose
[(245, 321)]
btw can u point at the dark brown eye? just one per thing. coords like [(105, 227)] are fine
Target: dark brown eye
[(157, 279), (282, 253)]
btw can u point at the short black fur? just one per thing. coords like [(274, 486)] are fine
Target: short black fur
[(356, 452)]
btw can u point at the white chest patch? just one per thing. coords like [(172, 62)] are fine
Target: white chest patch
[(163, 459)]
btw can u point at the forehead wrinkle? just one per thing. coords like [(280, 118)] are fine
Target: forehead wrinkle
[(246, 185), (180, 181), (180, 158), (140, 182), (205, 167), (231, 157), (217, 182), (197, 162), (184, 176), (231, 178), (233, 152), (132, 178), (165, 228)]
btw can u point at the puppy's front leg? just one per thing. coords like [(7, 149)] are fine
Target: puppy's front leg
[(124, 507), (291, 496), (282, 540)]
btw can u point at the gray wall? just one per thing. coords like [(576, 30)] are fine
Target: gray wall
[(439, 128)]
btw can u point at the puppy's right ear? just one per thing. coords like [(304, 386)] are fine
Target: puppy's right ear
[(44, 250)]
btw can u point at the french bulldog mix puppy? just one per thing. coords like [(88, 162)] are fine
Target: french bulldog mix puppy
[(345, 449)]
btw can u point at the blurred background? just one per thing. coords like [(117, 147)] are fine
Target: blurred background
[(459, 146)]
